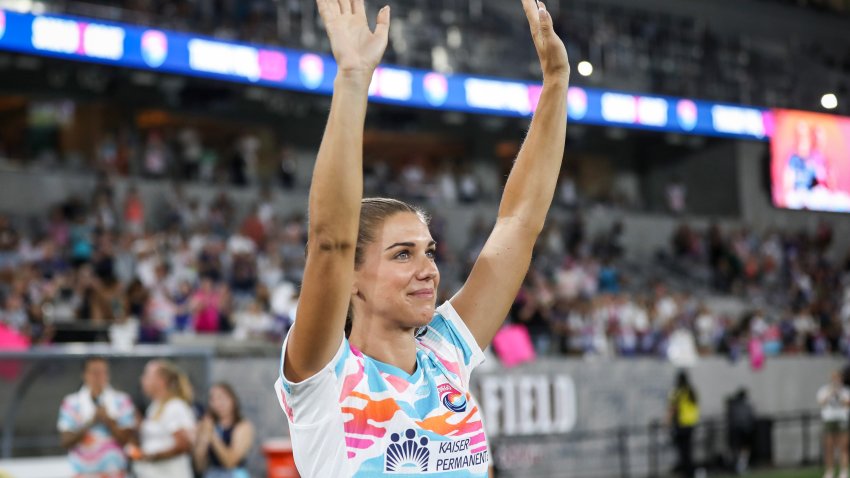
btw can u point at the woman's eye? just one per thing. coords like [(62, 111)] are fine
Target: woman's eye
[(431, 253), (402, 255)]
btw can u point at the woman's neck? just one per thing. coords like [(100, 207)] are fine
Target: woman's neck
[(393, 346), (161, 397), (225, 420)]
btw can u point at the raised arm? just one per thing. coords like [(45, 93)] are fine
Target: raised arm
[(336, 190), (486, 298)]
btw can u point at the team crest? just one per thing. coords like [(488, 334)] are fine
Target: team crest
[(452, 398)]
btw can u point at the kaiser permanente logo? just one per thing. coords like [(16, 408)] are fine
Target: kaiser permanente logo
[(411, 454), (406, 454)]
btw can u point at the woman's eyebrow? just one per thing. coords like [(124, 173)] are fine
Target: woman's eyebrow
[(409, 244)]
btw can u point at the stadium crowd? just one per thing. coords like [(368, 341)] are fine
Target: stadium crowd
[(199, 268)]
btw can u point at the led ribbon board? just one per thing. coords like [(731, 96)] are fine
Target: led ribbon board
[(129, 46)]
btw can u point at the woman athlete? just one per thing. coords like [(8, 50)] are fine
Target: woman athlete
[(374, 379)]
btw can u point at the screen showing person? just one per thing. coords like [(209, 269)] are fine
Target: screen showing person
[(810, 166)]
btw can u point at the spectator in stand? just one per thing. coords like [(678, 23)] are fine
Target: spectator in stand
[(157, 157), (14, 315), (134, 212), (206, 305)]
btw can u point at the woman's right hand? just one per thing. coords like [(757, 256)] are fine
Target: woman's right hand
[(206, 428), (356, 48)]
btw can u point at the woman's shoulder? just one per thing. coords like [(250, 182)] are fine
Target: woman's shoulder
[(178, 405), (243, 426)]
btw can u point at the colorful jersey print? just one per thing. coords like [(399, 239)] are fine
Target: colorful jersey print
[(363, 418), (99, 454)]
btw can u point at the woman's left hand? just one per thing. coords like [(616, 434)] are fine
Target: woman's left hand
[(550, 49), (206, 429)]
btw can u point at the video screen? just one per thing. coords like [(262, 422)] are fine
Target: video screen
[(810, 166)]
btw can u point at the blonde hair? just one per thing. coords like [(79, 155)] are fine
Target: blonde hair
[(176, 381)]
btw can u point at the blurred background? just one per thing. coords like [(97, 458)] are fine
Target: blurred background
[(155, 158)]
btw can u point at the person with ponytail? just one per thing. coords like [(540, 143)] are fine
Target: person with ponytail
[(167, 431), (389, 394)]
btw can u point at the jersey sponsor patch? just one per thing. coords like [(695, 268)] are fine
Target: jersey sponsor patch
[(410, 453)]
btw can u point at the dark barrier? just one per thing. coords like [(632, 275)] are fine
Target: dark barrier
[(648, 452)]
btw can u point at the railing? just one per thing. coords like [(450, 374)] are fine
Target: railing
[(648, 452)]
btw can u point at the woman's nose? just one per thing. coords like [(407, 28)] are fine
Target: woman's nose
[(427, 269)]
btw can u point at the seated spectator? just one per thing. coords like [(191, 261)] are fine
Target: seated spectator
[(206, 305), (253, 321)]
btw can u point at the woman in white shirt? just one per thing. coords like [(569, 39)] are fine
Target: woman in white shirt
[(834, 402), (168, 428)]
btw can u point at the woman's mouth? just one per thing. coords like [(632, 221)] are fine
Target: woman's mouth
[(423, 294)]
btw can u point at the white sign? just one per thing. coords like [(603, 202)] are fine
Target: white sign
[(54, 34), (103, 41), (528, 404), (737, 120), (497, 95), (63, 36), (619, 108), (224, 59), (652, 111), (392, 83)]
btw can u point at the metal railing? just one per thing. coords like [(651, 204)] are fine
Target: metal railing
[(647, 451)]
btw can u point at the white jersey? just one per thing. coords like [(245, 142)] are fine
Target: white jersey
[(359, 417), (835, 408), (162, 421)]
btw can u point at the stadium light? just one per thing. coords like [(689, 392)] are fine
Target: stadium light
[(585, 68), (829, 101)]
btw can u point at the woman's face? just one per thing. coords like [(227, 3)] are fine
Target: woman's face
[(220, 402), (152, 382), (398, 278)]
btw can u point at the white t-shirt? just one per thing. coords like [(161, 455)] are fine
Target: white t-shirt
[(835, 409), (157, 435), (359, 417)]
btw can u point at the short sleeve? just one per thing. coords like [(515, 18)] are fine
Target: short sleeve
[(126, 412), (68, 419), (178, 416), (822, 394), (449, 337), (315, 399)]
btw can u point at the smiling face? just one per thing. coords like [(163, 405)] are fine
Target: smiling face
[(397, 280), (221, 404)]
